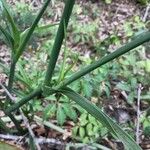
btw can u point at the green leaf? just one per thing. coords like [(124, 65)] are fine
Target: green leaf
[(123, 86), (15, 31), (89, 129), (70, 112), (87, 88), (81, 132), (49, 111), (8, 37), (144, 37), (86, 140), (75, 130), (61, 117), (24, 74), (25, 38), (114, 128)]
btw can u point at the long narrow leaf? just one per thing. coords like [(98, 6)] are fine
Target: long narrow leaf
[(24, 100), (15, 30), (8, 37), (142, 38), (103, 118), (31, 30), (37, 29)]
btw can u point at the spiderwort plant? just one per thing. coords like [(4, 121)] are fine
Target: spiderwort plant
[(62, 88)]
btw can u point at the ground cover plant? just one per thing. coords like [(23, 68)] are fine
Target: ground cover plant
[(56, 85)]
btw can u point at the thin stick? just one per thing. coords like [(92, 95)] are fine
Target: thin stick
[(9, 137), (49, 124), (146, 13), (138, 114), (26, 122)]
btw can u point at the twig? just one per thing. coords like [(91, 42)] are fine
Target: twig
[(23, 117), (49, 124), (7, 92), (138, 113), (43, 140), (10, 137), (146, 13), (40, 140), (10, 115)]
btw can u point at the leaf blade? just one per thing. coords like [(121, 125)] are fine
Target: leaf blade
[(103, 118)]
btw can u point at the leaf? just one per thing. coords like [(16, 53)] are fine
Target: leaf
[(123, 87), (8, 37), (70, 112), (114, 128), (81, 132), (15, 31), (75, 130), (89, 129), (61, 117), (49, 111), (144, 37), (87, 88), (24, 74)]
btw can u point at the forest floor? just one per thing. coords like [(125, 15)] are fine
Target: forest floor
[(109, 19)]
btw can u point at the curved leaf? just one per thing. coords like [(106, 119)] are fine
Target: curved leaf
[(15, 30), (8, 37), (114, 128)]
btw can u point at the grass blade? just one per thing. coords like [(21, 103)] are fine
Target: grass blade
[(14, 29), (114, 128), (31, 30), (8, 37), (24, 100), (142, 38)]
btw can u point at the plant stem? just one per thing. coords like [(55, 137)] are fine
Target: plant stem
[(3, 126), (24, 100), (133, 44), (11, 75), (58, 40), (62, 68), (142, 38), (14, 120), (29, 34), (16, 123)]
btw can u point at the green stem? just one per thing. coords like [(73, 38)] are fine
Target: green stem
[(16, 123), (58, 41), (62, 68), (24, 100), (11, 75), (10, 82), (142, 38), (3, 126), (26, 39), (13, 119)]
